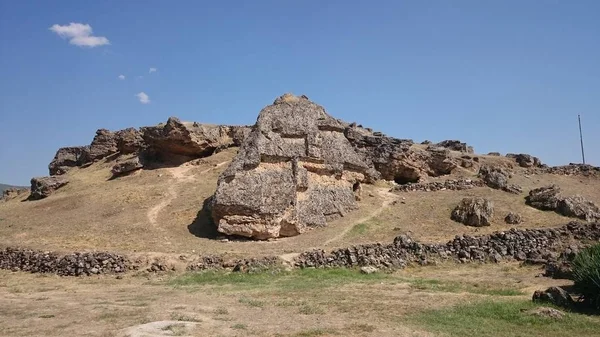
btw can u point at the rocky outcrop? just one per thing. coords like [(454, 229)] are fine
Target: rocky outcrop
[(578, 207), (497, 177), (513, 218), (548, 198), (174, 141), (126, 166), (476, 212), (525, 160), (68, 157), (544, 198), (42, 187), (554, 295), (456, 145), (295, 170), (191, 140)]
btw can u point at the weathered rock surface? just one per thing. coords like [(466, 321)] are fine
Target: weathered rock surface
[(295, 170), (497, 177), (476, 212), (554, 295), (174, 141), (513, 218), (456, 145), (525, 160), (544, 198), (126, 166), (68, 157), (42, 187), (578, 207), (548, 198)]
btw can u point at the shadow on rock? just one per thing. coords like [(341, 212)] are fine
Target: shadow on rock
[(204, 226)]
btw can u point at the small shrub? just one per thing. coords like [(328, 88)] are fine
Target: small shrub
[(586, 274)]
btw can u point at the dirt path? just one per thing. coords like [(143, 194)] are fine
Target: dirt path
[(179, 175), (388, 199)]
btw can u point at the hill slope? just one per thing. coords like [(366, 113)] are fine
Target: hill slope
[(4, 187)]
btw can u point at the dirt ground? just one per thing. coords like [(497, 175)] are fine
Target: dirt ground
[(48, 305)]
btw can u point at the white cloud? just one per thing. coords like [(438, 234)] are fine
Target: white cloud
[(144, 99), (152, 70), (121, 77), (79, 35)]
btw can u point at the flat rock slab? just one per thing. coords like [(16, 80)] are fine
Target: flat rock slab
[(159, 328)]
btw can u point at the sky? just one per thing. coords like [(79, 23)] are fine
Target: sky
[(506, 76)]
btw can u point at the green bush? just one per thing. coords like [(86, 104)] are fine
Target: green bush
[(586, 274)]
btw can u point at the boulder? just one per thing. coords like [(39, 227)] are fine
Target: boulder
[(456, 145), (126, 166), (554, 295), (103, 145), (495, 154), (525, 160), (67, 157), (41, 187), (497, 177), (192, 140), (513, 218), (544, 198), (129, 141), (578, 207), (295, 170), (546, 312), (476, 212), (368, 270)]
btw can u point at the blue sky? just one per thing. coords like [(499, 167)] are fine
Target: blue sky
[(507, 76)]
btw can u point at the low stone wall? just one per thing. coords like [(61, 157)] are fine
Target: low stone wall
[(528, 244), (571, 169), (453, 185), (75, 264)]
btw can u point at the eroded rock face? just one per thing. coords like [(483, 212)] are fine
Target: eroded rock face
[(476, 212), (456, 145), (103, 145), (126, 166), (295, 170), (42, 187), (578, 207), (67, 157), (497, 177), (544, 198), (525, 160)]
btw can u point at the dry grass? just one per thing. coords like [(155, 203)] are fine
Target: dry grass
[(338, 301)]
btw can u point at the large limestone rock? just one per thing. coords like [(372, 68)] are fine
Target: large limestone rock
[(42, 187), (525, 160), (456, 145), (544, 198), (68, 157), (497, 177), (175, 140), (476, 212), (295, 170), (578, 207)]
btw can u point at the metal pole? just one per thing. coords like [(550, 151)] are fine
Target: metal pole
[(581, 139)]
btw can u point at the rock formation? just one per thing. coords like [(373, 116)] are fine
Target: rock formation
[(174, 141), (525, 160), (497, 177), (548, 198), (456, 145), (475, 212), (299, 167), (296, 169), (41, 187), (513, 218), (126, 166)]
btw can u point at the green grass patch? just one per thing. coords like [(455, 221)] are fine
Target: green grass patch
[(502, 318), (251, 302), (239, 326), (176, 329), (300, 279), (358, 229), (458, 287)]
